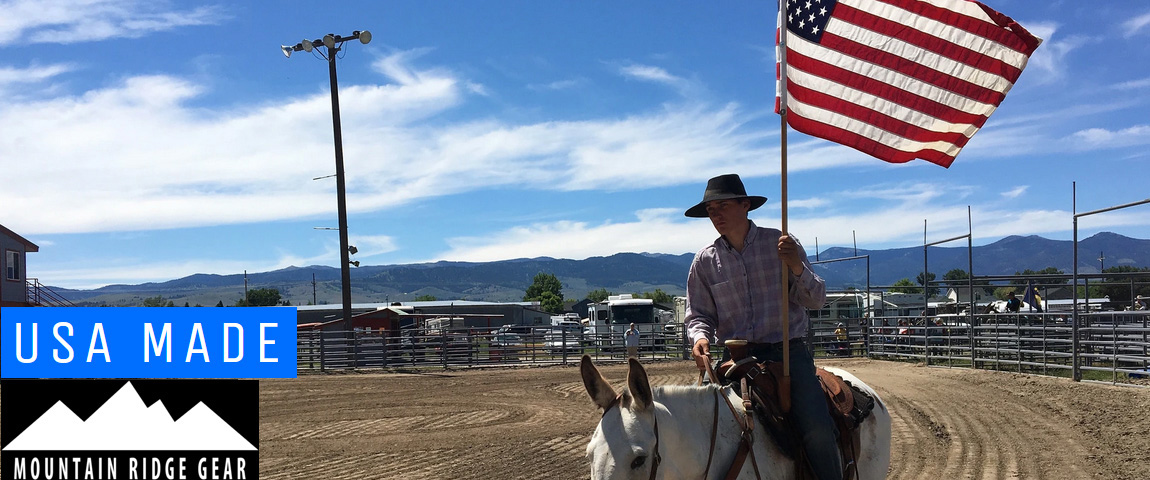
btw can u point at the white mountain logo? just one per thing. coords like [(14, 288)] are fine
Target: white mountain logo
[(125, 423)]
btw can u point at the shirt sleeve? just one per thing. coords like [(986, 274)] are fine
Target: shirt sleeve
[(808, 289), (701, 311)]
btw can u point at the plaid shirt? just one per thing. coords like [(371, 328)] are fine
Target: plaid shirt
[(738, 293)]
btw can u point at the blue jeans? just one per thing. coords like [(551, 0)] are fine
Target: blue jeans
[(809, 411)]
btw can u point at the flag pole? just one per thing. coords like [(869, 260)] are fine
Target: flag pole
[(785, 384)]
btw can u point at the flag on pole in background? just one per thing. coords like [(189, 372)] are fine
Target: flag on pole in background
[(898, 79), (1032, 298)]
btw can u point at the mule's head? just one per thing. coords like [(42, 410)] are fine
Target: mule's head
[(624, 444)]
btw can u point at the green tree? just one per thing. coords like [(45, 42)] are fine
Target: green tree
[(156, 301), (544, 282), (1001, 292), (1046, 271), (599, 295), (932, 291), (956, 278), (1118, 287), (260, 297), (904, 285), (425, 298), (186, 304), (220, 303), (659, 296), (551, 302)]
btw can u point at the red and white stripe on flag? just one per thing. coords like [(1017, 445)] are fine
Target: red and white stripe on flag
[(899, 79)]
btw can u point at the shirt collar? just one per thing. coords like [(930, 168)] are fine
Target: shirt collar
[(752, 234)]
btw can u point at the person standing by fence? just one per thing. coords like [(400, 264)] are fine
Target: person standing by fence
[(631, 340)]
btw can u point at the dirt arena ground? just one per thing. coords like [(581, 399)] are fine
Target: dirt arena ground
[(534, 423)]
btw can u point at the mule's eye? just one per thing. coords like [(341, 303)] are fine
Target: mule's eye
[(638, 462)]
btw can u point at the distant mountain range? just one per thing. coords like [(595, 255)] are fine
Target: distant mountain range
[(620, 273)]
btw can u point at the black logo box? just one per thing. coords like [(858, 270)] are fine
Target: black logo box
[(234, 401)]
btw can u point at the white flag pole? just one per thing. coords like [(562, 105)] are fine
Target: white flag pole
[(785, 384)]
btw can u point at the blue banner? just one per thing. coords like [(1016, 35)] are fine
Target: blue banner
[(252, 342)]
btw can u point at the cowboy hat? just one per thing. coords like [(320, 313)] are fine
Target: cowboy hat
[(724, 187)]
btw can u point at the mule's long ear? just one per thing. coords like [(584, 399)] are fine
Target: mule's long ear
[(639, 385), (597, 387)]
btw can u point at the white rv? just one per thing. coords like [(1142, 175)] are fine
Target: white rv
[(607, 321)]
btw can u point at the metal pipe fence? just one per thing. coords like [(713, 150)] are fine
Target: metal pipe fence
[(1112, 345), (321, 351)]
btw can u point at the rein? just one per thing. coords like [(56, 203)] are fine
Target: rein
[(746, 424)]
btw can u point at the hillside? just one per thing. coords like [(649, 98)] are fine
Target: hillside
[(621, 273)]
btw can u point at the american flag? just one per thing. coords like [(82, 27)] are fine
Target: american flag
[(899, 79)]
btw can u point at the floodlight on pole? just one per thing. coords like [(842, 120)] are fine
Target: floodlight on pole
[(334, 43)]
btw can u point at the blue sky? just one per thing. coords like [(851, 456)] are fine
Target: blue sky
[(150, 140)]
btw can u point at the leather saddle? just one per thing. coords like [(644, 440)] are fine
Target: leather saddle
[(848, 406)]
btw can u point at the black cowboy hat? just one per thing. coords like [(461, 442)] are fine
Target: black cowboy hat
[(724, 187)]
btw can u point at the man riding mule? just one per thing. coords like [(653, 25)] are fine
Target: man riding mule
[(735, 291), (699, 432)]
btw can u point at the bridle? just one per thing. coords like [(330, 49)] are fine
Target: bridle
[(656, 459), (746, 423)]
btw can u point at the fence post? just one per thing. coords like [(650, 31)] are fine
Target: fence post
[(970, 333), (322, 353), (562, 337), (354, 350), (1018, 340), (1114, 333)]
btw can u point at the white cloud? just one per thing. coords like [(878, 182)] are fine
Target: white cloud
[(559, 84), (1133, 84), (33, 74), (1100, 137), (72, 21), (808, 203), (1015, 192), (372, 245), (663, 230), (139, 149), (1050, 57), (1135, 25), (685, 87)]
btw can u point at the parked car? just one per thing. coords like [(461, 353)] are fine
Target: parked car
[(564, 336), (505, 343), (506, 337)]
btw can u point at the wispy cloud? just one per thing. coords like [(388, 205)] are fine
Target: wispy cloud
[(1136, 25), (808, 203), (32, 74), (372, 245), (685, 87), (1133, 84), (1050, 58), (1015, 192), (559, 84), (1100, 137), (74, 21), (140, 149)]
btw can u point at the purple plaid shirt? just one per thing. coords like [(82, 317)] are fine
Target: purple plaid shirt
[(738, 293)]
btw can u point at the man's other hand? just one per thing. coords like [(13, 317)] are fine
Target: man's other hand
[(702, 353)]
